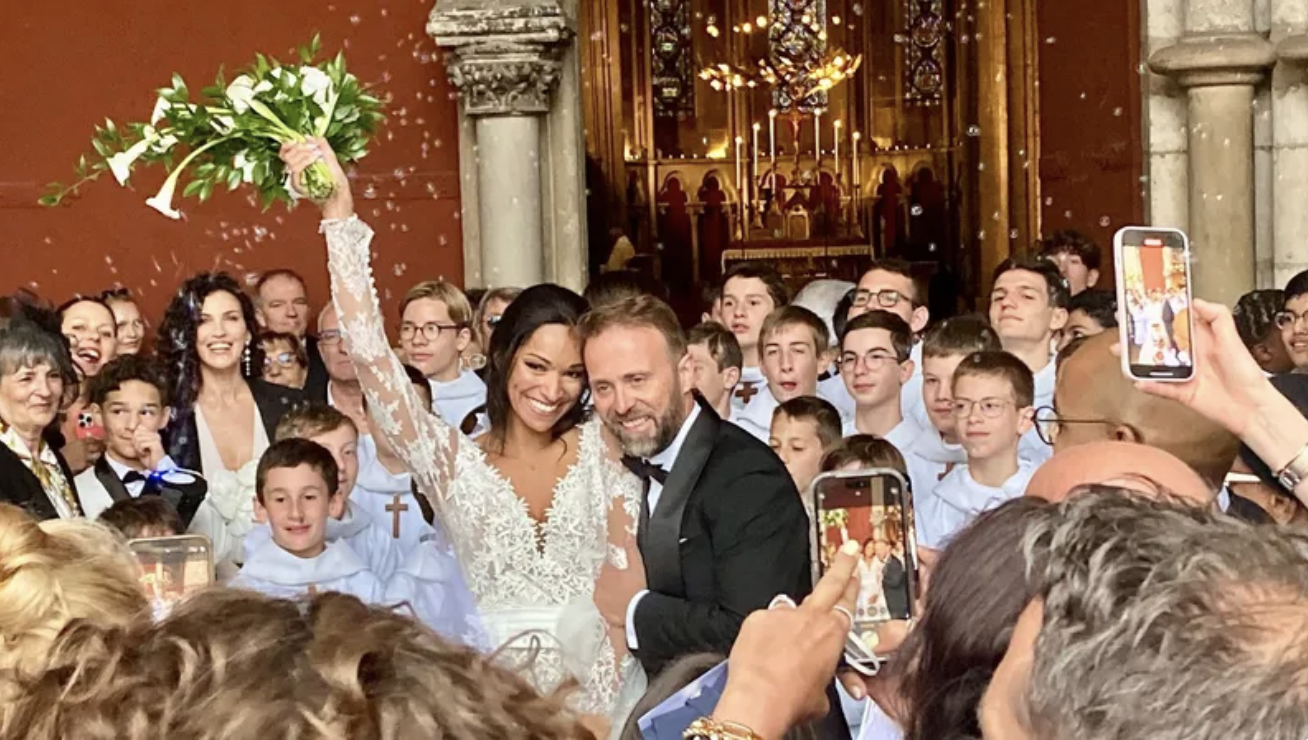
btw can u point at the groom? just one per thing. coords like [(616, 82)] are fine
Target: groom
[(722, 530)]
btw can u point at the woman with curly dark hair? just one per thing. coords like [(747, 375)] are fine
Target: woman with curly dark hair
[(224, 413)]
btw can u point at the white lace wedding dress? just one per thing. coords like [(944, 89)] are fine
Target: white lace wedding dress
[(533, 583)]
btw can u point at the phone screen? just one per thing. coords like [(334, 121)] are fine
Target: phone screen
[(870, 507), (1154, 294), (172, 568)]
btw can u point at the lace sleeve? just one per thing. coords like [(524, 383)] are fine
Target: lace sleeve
[(425, 443)]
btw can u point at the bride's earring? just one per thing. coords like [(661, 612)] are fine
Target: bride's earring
[(246, 359)]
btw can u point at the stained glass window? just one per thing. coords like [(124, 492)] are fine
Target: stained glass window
[(797, 39), (926, 51), (674, 86)]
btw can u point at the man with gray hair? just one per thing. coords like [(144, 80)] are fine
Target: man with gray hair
[(1158, 621)]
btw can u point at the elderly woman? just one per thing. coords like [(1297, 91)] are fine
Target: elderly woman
[(285, 362), (36, 380)]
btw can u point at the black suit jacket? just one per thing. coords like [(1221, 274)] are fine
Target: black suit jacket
[(893, 582), (315, 383), (273, 402), (185, 498), (20, 487), (729, 533)]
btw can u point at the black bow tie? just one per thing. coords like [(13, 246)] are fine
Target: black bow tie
[(134, 477), (645, 469)]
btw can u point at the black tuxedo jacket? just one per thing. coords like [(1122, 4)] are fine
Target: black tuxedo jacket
[(273, 402), (315, 383), (728, 534), (185, 498), (893, 579), (20, 487)]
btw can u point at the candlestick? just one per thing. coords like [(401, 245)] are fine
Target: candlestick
[(835, 149), (753, 177), (817, 136), (772, 150), (857, 175), (739, 184)]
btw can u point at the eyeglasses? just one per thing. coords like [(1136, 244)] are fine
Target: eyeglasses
[(330, 337), (883, 298), (431, 331), (1049, 424), (282, 359), (991, 408), (1286, 319), (874, 360), (493, 320)]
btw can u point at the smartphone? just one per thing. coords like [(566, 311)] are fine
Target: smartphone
[(873, 508), (1154, 295), (172, 568)]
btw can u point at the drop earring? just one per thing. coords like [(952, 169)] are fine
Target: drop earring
[(246, 358)]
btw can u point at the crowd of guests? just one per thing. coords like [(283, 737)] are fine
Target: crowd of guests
[(390, 514)]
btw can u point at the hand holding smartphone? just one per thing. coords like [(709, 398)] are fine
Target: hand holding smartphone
[(1154, 295)]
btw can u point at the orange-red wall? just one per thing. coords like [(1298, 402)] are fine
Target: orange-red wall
[(66, 65), (1091, 156)]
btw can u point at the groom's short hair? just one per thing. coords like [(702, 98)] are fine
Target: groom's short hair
[(642, 311)]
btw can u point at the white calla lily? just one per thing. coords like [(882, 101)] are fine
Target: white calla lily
[(164, 143), (245, 165), (163, 200), (121, 163), (316, 84), (161, 107), (240, 93), (223, 124)]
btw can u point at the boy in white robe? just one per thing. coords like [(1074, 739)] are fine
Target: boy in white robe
[(385, 493), (435, 329), (794, 350), (875, 363), (430, 587), (715, 353), (297, 493), (750, 292), (336, 432), (992, 393)]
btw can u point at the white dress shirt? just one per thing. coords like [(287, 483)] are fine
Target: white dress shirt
[(666, 458), (95, 497)]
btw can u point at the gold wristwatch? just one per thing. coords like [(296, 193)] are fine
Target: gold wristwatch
[(707, 728)]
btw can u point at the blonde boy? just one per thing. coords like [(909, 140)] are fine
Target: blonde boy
[(435, 329), (794, 347)]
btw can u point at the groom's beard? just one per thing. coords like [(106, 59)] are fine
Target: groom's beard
[(666, 427)]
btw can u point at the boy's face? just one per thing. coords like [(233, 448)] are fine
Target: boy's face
[(715, 383), (1295, 332), (132, 411), (791, 362), (1079, 324), (1078, 276), (745, 303), (1020, 309), (796, 442), (343, 443), (881, 285), (989, 421), (938, 394), (296, 503), (871, 371), (439, 357)]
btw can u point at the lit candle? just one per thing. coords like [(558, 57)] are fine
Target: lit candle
[(817, 135), (857, 176), (772, 148), (753, 177), (835, 149), (739, 141)]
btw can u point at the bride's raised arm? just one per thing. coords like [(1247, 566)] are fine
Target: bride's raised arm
[(425, 443)]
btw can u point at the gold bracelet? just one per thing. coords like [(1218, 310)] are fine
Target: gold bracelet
[(707, 728)]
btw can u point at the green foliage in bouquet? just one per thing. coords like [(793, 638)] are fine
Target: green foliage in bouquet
[(233, 135)]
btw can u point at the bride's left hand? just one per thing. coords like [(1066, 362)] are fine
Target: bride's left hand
[(616, 587)]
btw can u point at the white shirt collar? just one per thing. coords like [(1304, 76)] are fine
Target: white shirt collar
[(668, 455)]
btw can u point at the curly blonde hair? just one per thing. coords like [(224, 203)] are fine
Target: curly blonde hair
[(52, 574), (234, 664)]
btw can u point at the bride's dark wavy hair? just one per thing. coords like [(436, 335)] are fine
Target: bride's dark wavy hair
[(178, 355), (537, 306)]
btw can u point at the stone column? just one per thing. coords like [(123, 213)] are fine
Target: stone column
[(504, 58), (1290, 148), (1168, 160), (1218, 62)]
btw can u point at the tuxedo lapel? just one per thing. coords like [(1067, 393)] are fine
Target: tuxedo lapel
[(662, 548), (105, 474)]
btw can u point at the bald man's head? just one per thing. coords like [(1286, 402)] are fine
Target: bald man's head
[(1135, 467), (1096, 402)]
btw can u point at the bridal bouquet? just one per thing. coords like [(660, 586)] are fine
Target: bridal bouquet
[(232, 136)]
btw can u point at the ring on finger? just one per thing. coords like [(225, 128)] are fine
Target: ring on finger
[(840, 609), (781, 601)]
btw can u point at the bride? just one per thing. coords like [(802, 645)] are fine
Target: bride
[(538, 506)]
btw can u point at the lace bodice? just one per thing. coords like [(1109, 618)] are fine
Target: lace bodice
[(493, 534)]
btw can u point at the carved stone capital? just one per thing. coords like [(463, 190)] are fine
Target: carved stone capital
[(1207, 60), (504, 58)]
